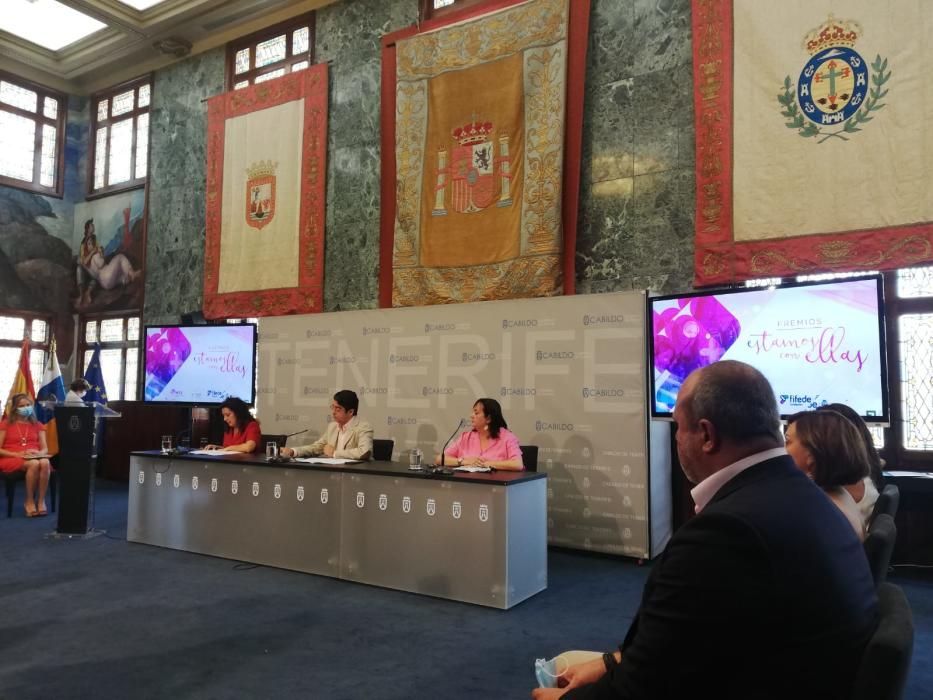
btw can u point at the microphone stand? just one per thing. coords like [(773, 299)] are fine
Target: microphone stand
[(450, 439)]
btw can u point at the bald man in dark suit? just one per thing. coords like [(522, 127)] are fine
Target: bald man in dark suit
[(766, 593)]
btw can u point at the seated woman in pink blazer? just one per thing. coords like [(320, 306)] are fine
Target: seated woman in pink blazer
[(489, 443)]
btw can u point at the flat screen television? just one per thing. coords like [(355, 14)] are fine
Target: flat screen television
[(816, 342), (200, 365)]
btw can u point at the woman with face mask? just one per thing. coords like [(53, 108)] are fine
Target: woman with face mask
[(23, 448), (76, 391)]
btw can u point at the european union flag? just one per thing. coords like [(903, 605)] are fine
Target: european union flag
[(95, 377)]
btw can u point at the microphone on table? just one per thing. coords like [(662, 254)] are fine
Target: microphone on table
[(450, 439), (178, 449), (279, 457)]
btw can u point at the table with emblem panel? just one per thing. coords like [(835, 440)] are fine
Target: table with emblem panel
[(477, 538)]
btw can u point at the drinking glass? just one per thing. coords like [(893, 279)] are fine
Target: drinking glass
[(414, 459), (166, 443), (272, 450)]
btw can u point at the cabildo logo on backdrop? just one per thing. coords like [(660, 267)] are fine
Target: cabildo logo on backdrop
[(568, 372)]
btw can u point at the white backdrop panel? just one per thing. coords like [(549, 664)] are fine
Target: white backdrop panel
[(568, 371)]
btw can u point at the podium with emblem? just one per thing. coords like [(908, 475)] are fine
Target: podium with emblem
[(77, 439)]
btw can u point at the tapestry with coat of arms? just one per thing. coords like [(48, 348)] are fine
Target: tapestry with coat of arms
[(266, 165), (479, 149), (811, 146)]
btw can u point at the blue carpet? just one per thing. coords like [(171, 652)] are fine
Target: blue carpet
[(105, 619)]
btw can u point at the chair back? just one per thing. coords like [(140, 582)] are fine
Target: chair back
[(882, 673), (279, 440), (382, 449), (879, 546), (529, 457), (888, 501)]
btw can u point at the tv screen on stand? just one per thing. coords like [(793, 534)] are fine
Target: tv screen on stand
[(816, 342), (200, 365)]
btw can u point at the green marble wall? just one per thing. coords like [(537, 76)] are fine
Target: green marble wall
[(637, 194), (177, 175), (636, 208)]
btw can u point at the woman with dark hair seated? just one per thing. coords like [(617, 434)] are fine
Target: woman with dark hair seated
[(489, 443), (241, 433), (829, 449), (23, 449), (865, 492)]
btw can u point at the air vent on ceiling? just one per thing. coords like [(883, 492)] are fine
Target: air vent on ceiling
[(173, 46)]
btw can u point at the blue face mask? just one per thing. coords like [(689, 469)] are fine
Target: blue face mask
[(546, 672), (24, 411)]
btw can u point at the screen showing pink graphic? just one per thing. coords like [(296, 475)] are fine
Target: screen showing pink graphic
[(200, 365), (817, 343)]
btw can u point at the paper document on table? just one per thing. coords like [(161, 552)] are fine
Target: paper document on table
[(326, 460), (912, 475), (472, 469), (213, 452)]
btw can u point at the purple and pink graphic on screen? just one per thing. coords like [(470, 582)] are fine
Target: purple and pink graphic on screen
[(201, 364), (166, 352), (816, 343), (692, 333)]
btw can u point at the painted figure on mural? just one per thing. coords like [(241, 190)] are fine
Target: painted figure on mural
[(95, 271)]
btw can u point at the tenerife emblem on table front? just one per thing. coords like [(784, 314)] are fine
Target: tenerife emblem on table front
[(835, 88), (477, 174), (260, 193)]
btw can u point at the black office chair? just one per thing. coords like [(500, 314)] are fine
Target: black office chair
[(888, 501), (279, 440), (382, 449), (529, 457), (882, 673), (10, 480), (879, 546)]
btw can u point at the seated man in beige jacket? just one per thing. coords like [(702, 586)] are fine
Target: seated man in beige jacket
[(346, 438)]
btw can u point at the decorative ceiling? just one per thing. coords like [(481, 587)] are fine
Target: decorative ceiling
[(121, 42)]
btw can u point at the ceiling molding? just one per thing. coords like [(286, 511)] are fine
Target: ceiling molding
[(125, 49)]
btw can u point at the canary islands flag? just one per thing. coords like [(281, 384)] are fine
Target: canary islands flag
[(95, 378), (22, 382), (52, 388)]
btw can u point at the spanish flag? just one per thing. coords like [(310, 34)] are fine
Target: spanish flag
[(22, 382)]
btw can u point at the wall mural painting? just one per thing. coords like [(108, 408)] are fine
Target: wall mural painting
[(36, 266), (108, 263)]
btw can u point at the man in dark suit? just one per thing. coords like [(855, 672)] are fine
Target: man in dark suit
[(766, 593)]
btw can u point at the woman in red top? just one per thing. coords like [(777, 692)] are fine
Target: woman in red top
[(242, 431), (23, 448)]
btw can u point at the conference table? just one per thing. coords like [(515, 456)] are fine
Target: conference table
[(474, 537)]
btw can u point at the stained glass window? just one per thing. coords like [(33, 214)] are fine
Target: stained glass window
[(269, 76), (122, 137), (437, 8), (271, 52), (28, 113), (119, 353), (121, 151), (915, 333), (13, 329), (17, 146), (915, 282), (47, 167), (242, 61), (123, 103), (300, 40), (50, 108), (17, 96)]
